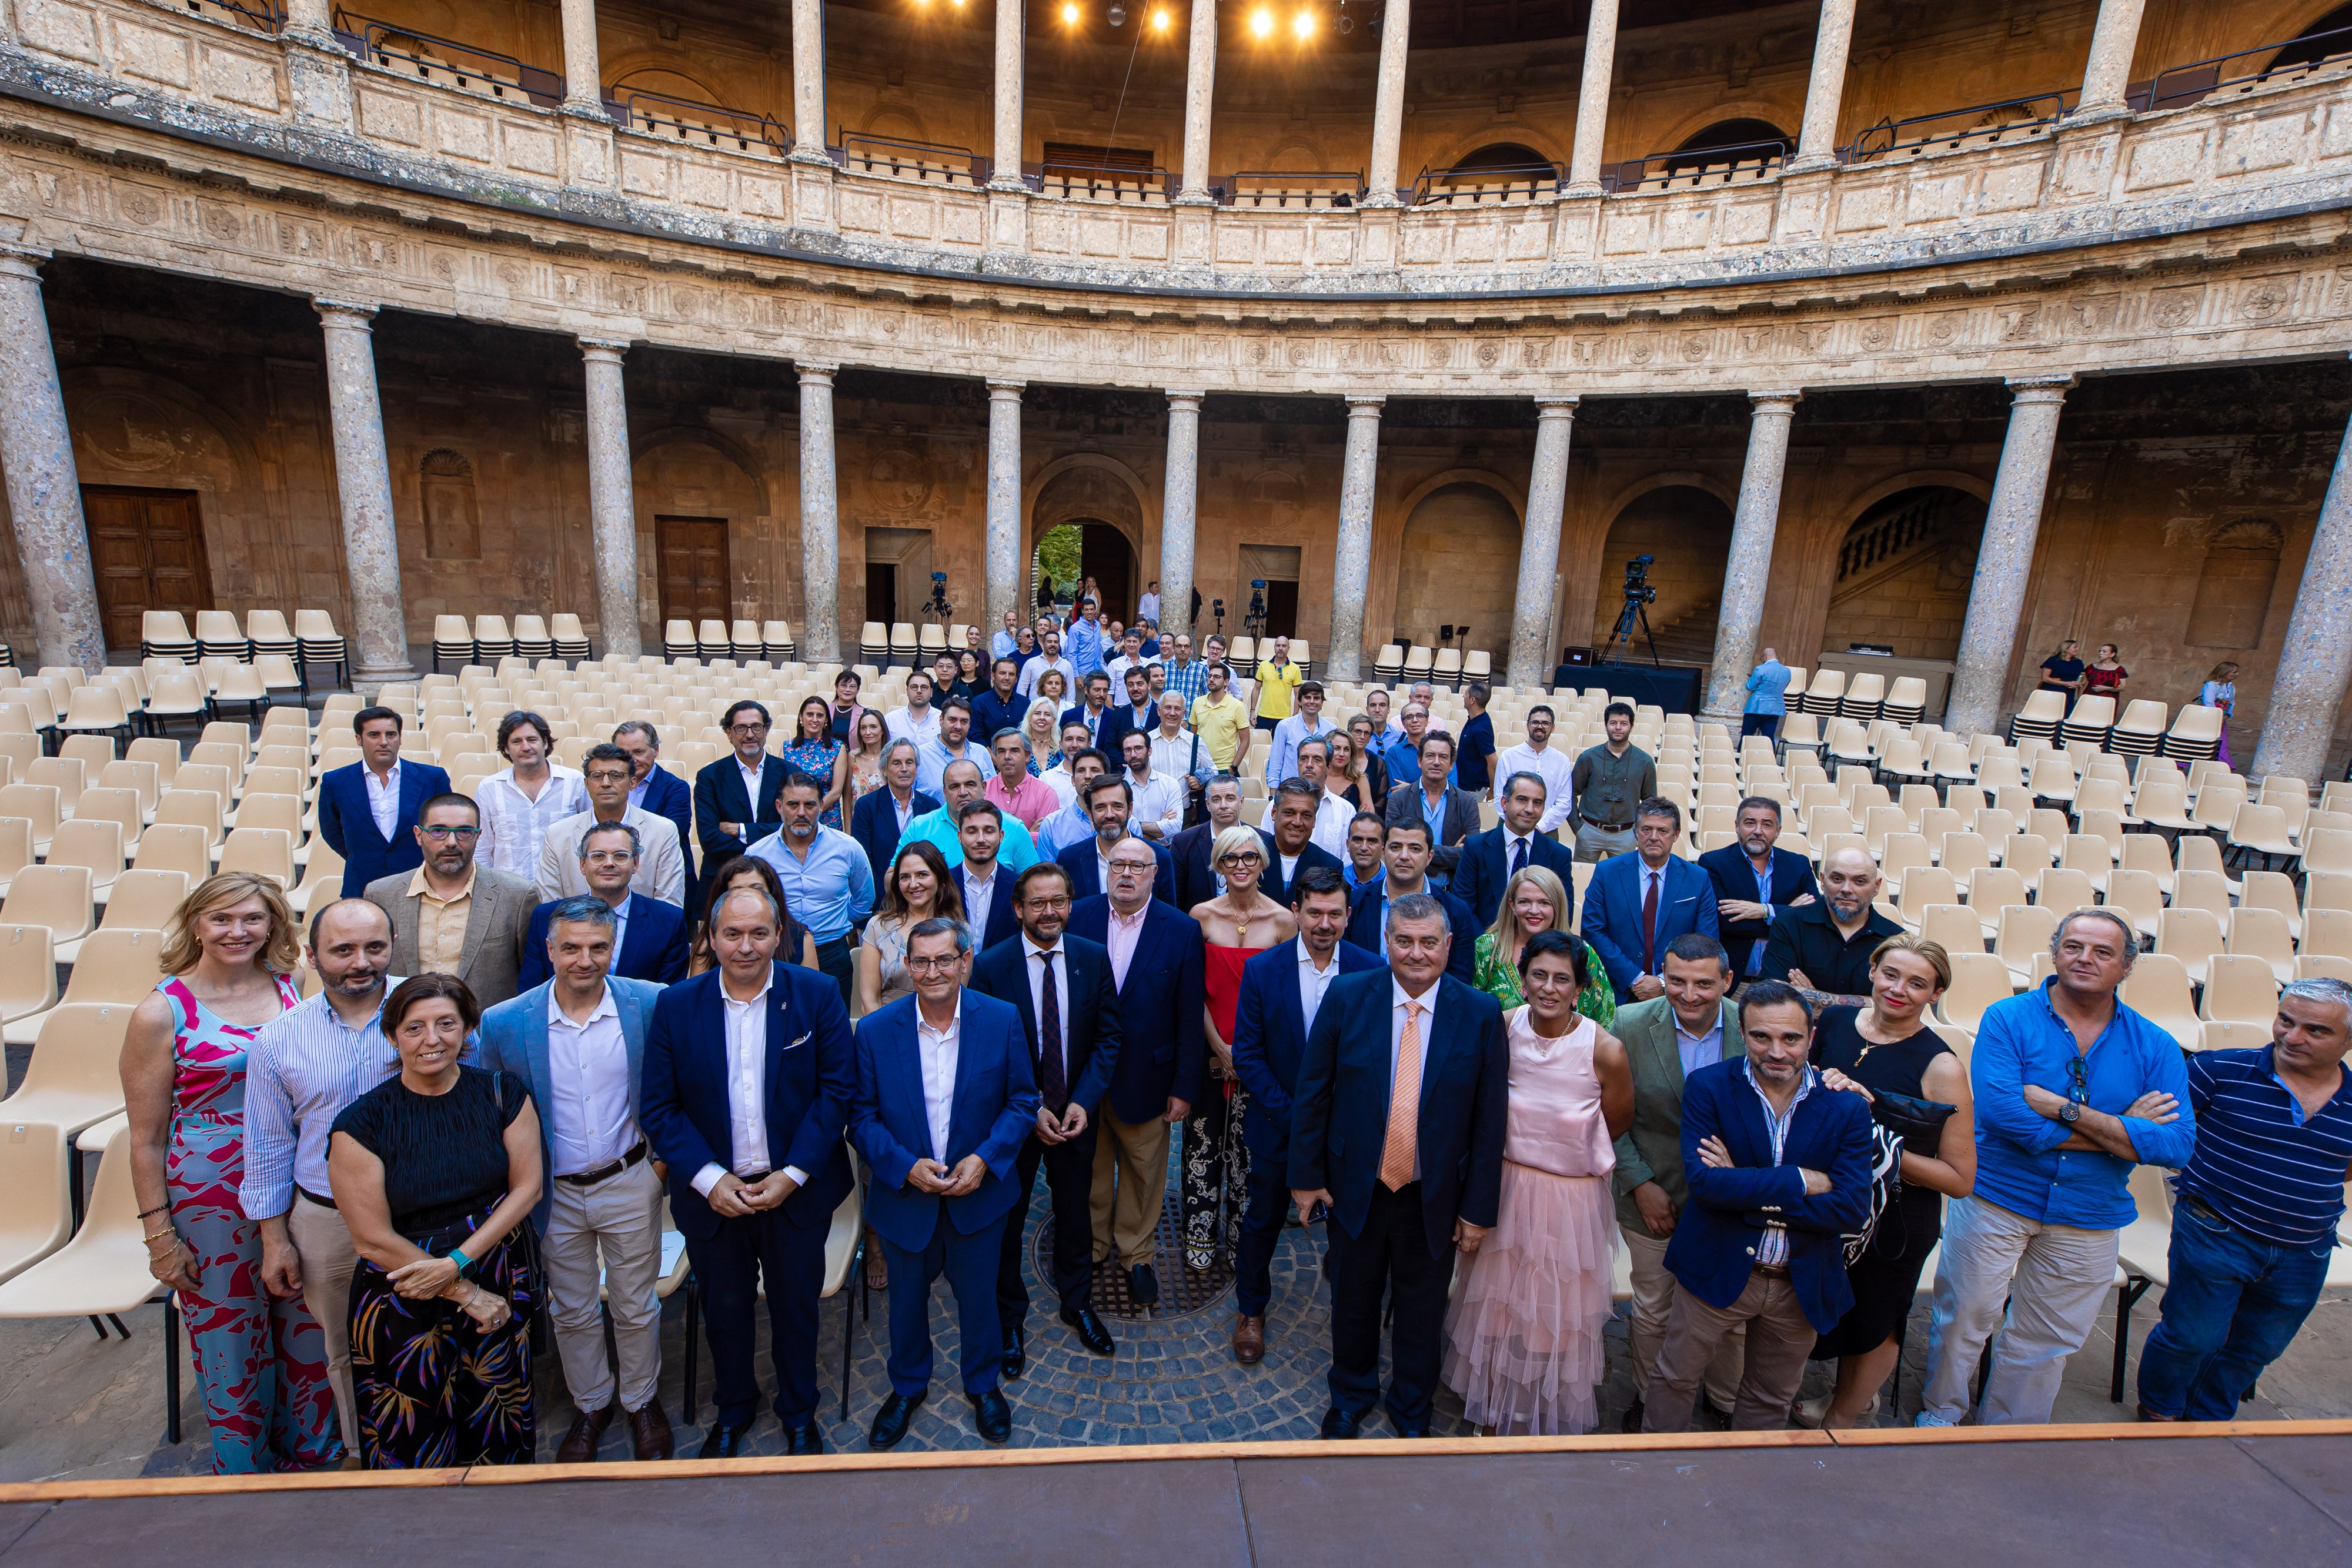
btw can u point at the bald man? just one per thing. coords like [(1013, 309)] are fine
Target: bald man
[(1823, 948)]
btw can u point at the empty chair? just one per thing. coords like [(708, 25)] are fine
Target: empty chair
[(197, 809), (2193, 936), (266, 851), (1954, 926), (1979, 980), (2239, 988), (74, 1077), (219, 637), (452, 638), (2135, 894), (1992, 889), (2158, 989), (2061, 890), (144, 900), (95, 845), (2263, 934), (38, 1215), (2023, 933), (29, 971)]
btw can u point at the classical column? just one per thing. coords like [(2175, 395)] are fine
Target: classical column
[(313, 21), (1593, 99), (1179, 504), (583, 77), (820, 520), (2108, 72), (612, 499), (2316, 662), (1005, 574), (1997, 600), (43, 494), (363, 482), (1751, 564), (1531, 654), (1007, 172), (1351, 573), (1200, 92), (808, 81), (1388, 109), (1817, 138)]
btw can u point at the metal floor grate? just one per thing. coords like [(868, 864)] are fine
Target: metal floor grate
[(1183, 1293)]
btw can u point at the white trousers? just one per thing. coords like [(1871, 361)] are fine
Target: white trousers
[(2054, 1278), (618, 1220)]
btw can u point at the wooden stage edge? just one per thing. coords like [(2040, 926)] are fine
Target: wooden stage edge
[(1380, 1448)]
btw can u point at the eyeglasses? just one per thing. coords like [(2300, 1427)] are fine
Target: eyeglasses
[(608, 857), (2079, 1070), (439, 834), (933, 966)]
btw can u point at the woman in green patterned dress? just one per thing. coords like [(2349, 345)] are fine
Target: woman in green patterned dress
[(1533, 901)]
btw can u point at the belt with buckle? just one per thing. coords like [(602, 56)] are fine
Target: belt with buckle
[(1771, 1271), (314, 1197), (590, 1178)]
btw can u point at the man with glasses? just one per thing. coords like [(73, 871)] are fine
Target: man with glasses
[(450, 917), (1536, 755), (2073, 1089), (649, 934), (918, 721), (658, 790), (1177, 752), (660, 870), (735, 796)]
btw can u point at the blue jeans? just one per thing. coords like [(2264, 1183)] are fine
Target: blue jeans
[(2234, 1305)]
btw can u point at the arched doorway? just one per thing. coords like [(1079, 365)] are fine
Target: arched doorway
[(1069, 553), (1903, 574), (1459, 567), (2324, 39), (1707, 146), (1688, 531)]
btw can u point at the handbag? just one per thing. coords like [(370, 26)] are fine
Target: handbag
[(1919, 1122)]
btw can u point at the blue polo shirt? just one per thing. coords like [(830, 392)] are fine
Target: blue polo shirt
[(2264, 1166), (2023, 1041)]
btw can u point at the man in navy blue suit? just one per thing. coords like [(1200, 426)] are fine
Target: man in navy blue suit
[(1396, 1132), (748, 1076), (650, 942), (367, 808), (1489, 860), (881, 815), (1780, 1169), (944, 1102), (1638, 903), (1000, 708), (1109, 801), (1293, 814), (1061, 986), (1156, 962), (1754, 881), (981, 876), (1405, 853), (1098, 713), (658, 791), (1282, 995), (735, 796)]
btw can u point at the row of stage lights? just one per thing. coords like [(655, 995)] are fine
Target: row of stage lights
[(1264, 22)]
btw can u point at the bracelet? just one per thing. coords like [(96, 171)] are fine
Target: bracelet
[(157, 1210), (152, 1237)]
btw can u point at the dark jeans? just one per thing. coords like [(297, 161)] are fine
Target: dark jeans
[(1767, 725), (1269, 1205), (838, 961), (2234, 1305), (1070, 1179), (1391, 1258), (969, 1262)]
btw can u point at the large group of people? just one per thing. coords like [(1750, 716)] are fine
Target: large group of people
[(544, 1011)]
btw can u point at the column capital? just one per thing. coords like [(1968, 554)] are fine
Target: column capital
[(603, 350), (1776, 401), (1185, 400), (1004, 390), (1365, 406), (2041, 389), (357, 315), (1559, 406), (815, 373), (22, 261)]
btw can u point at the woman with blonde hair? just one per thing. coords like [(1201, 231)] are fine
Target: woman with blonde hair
[(1534, 901), (228, 960), (872, 735), (1041, 727)]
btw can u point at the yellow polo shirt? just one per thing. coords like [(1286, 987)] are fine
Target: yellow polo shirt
[(1219, 725), (1275, 684)]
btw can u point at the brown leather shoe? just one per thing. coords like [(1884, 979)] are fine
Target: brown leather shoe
[(649, 1431), (1249, 1340), (587, 1430)]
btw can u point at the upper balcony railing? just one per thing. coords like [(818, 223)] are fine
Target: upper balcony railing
[(1696, 167), (1290, 189), (895, 157), (261, 16), (701, 124), (1953, 130), (2294, 60), (1077, 180), (445, 61), (1486, 185)]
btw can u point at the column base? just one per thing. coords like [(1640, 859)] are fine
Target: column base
[(586, 108), (1380, 199), (1811, 164), (1583, 191), (2096, 114), (1732, 718), (369, 679), (811, 155), (1192, 198)]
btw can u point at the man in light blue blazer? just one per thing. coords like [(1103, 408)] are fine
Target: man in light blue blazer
[(579, 1040), (1768, 686), (945, 1098), (1638, 903)]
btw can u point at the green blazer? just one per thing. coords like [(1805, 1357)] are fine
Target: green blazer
[(1652, 1148)]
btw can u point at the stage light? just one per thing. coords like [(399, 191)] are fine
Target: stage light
[(1159, 21), (1303, 24), (1069, 15), (1262, 23), (1116, 15)]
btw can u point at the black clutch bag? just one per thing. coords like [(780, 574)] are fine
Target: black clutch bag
[(1919, 1122)]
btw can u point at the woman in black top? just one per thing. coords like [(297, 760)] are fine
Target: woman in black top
[(1888, 1046), (437, 1170), (2063, 672)]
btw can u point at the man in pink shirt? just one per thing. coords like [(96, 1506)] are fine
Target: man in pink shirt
[(1012, 790)]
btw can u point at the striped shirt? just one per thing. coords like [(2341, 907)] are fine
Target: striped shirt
[(1772, 1246), (2269, 1169)]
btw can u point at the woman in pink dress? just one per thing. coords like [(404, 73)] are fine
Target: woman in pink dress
[(1523, 1337)]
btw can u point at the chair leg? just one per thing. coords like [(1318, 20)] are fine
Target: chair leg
[(848, 1335), (73, 1184), (693, 1319), (171, 1369), (100, 1324), (2128, 1295)]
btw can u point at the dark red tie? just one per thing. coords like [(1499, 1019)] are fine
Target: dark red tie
[(1053, 1081), (1649, 922)]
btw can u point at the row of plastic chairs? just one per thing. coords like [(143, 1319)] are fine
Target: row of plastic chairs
[(1455, 667), (532, 637), (311, 641)]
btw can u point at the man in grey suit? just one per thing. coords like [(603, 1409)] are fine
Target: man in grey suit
[(579, 1040), (1666, 1039), (1452, 814), (450, 917)]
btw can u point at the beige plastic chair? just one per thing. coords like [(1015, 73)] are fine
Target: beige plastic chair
[(185, 848), (2158, 989), (102, 1271), (16, 849), (2229, 1034), (38, 804), (160, 750), (2327, 933), (1952, 925), (116, 804), (74, 1076), (2135, 894), (2023, 933), (1992, 889), (2146, 853), (57, 896), (116, 967), (2239, 988), (2060, 890), (1979, 980), (2202, 890), (144, 900), (2262, 829), (323, 869), (198, 809), (28, 972), (2263, 934), (37, 1217), (1922, 887), (266, 852), (2193, 936), (95, 846)]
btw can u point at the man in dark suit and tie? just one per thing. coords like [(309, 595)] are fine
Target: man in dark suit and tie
[(1156, 961), (1396, 1131), (1098, 713), (1109, 801), (1636, 904), (367, 810), (1196, 879), (747, 1077), (1282, 993), (881, 815), (985, 882), (1404, 862), (649, 942), (1453, 814), (1061, 986), (944, 1102), (657, 789), (735, 796), (1489, 860), (1754, 881)]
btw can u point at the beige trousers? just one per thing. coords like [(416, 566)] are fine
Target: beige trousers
[(1778, 1341), (1130, 1186), (1653, 1298), (618, 1219), (325, 1244)]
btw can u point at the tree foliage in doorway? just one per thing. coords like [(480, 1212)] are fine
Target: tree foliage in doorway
[(1059, 561)]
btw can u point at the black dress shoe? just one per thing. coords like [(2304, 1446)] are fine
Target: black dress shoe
[(1092, 1332), (724, 1442), (1143, 1285), (803, 1438), (992, 1418), (890, 1421), (1016, 1352), (1340, 1424), (1632, 1422)]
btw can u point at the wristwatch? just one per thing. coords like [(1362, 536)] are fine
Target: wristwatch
[(2070, 1113)]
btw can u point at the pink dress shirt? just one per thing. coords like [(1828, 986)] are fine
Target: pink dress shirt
[(1033, 801), (1120, 936)]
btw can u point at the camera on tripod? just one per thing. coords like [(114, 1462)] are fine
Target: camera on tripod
[(939, 606), (1253, 623), (1637, 585), (1634, 615)]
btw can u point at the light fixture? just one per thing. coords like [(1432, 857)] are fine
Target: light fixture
[(1159, 21), (1069, 15), (1303, 24), (1347, 22), (1262, 23), (1116, 15)]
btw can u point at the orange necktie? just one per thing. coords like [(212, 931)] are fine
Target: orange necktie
[(1404, 1105)]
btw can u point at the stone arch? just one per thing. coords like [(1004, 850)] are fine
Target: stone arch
[(664, 73), (1458, 559), (1686, 525), (2234, 588), (1091, 490), (2308, 45), (692, 470), (1712, 126), (1517, 153), (898, 122)]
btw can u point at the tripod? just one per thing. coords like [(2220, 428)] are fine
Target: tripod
[(1636, 612)]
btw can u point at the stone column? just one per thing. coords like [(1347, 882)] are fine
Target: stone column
[(1746, 573), (1817, 138), (1007, 146), (1179, 504), (363, 481), (584, 75), (1351, 572), (1005, 573), (1997, 600), (44, 492), (612, 499), (2108, 71), (1388, 109), (1593, 101), (313, 21), (1200, 92), (2316, 662), (1531, 654), (820, 520), (808, 82)]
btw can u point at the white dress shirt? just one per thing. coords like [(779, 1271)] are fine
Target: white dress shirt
[(1057, 779), (1557, 771), (979, 899), (588, 1121), (514, 825), (905, 724), (1027, 684), (938, 1048), (1313, 982), (750, 776), (1159, 803), (1060, 960), (384, 798), (747, 1090), (1332, 815), (1428, 1000), (1511, 842)]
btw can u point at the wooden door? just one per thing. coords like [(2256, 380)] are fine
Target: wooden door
[(695, 582), (147, 551)]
